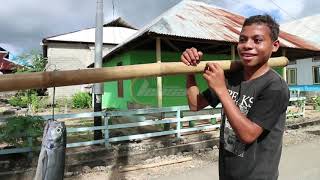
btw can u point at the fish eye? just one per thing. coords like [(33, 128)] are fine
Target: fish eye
[(58, 130)]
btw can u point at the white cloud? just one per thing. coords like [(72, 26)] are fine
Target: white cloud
[(11, 48), (288, 11), (25, 22), (293, 8)]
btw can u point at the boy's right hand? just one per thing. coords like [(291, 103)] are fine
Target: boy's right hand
[(191, 56)]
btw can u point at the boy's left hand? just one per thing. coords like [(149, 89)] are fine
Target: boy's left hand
[(214, 76)]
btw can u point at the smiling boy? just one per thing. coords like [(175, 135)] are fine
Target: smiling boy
[(254, 103)]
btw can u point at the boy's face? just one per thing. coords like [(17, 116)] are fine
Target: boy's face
[(255, 45)]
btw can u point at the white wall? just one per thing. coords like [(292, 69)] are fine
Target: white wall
[(304, 70), (70, 56)]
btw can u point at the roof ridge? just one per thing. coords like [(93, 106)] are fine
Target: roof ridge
[(119, 22)]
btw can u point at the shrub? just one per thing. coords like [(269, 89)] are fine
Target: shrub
[(24, 98), (38, 102), (81, 100), (16, 101), (63, 104), (316, 102), (17, 129)]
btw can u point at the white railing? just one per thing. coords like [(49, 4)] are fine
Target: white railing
[(297, 107), (176, 113), (178, 117)]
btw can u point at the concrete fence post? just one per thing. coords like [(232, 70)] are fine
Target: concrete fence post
[(178, 116), (30, 154), (106, 131)]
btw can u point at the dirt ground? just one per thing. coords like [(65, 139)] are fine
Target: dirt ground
[(202, 159)]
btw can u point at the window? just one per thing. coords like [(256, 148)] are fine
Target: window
[(292, 76), (316, 59), (316, 74), (120, 84), (291, 62)]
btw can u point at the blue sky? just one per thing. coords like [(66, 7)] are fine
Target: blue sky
[(250, 10), (25, 23)]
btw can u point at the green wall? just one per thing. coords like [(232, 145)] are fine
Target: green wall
[(110, 97), (144, 91)]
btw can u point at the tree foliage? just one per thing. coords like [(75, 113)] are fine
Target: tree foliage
[(18, 128), (35, 59)]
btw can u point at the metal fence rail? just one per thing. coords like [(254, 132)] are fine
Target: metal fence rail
[(299, 103), (177, 118), (177, 110)]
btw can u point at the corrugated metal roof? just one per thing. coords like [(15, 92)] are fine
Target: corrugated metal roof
[(111, 35), (191, 19), (307, 28), (198, 20), (6, 64), (119, 22), (1, 49)]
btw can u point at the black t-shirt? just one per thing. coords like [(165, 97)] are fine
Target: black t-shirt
[(264, 101)]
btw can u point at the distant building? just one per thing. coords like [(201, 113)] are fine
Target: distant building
[(304, 73), (6, 65), (75, 50)]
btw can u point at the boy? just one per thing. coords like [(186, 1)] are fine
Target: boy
[(254, 103)]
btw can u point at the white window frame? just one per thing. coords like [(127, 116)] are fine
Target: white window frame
[(313, 75), (289, 78)]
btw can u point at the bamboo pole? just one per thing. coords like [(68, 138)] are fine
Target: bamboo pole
[(10, 82)]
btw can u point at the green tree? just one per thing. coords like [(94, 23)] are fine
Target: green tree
[(35, 59), (17, 129), (34, 62)]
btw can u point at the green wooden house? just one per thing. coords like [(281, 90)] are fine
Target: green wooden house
[(137, 93), (210, 29)]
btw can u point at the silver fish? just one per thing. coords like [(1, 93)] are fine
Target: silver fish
[(51, 160)]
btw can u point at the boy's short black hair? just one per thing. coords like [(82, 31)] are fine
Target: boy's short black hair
[(264, 19)]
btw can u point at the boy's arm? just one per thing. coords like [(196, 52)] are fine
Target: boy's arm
[(246, 130), (195, 99), (191, 57)]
